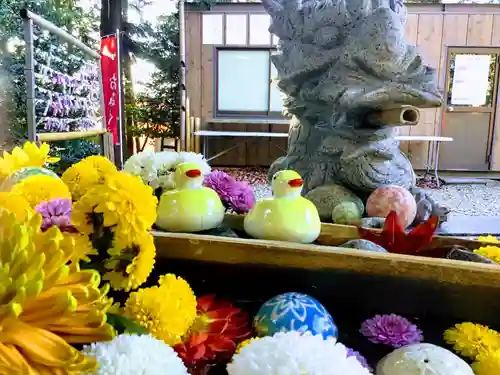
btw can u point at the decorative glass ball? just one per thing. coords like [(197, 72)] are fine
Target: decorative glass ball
[(419, 359), (294, 312), (392, 198), (23, 173)]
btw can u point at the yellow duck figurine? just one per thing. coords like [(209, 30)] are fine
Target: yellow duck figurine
[(287, 216), (190, 207)]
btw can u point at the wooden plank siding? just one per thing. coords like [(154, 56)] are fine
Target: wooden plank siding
[(431, 27)]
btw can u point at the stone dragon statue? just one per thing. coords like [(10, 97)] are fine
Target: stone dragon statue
[(349, 78)]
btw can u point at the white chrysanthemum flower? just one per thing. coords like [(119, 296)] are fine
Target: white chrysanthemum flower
[(165, 162), (193, 157), (143, 165), (293, 353), (135, 354)]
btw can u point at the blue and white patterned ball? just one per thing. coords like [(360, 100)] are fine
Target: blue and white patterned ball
[(294, 312)]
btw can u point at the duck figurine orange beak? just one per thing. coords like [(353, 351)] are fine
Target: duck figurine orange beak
[(193, 173), (296, 182)]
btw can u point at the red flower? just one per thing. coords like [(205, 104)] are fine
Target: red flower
[(394, 239), (215, 333)]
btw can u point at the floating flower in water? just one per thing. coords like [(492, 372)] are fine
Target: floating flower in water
[(361, 359), (242, 344), (41, 188), (487, 363), (488, 238), (393, 330), (56, 212), (490, 252), (86, 174), (394, 239), (135, 354), (215, 333), (472, 340), (236, 196), (167, 311), (46, 305), (143, 165), (30, 155), (293, 353)]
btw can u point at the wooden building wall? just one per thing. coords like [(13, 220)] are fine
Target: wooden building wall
[(431, 27)]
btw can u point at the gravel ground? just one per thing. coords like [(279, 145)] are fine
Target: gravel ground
[(462, 199)]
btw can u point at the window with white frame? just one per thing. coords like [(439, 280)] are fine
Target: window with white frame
[(246, 83)]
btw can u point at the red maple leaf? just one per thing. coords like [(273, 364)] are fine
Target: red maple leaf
[(394, 239), (215, 333)]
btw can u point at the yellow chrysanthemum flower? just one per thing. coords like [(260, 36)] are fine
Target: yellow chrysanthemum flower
[(472, 340), (166, 311), (17, 205), (487, 364), (40, 188), (123, 201), (28, 156), (491, 252), (80, 245), (86, 174), (130, 262), (488, 239), (46, 306)]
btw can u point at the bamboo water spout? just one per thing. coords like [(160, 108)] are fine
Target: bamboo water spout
[(403, 116)]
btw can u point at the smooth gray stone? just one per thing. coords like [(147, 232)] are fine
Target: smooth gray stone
[(337, 62), (327, 197), (467, 255), (364, 245), (372, 222)]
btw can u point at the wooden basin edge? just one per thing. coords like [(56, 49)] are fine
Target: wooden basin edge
[(317, 257)]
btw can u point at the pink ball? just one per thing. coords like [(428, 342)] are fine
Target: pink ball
[(392, 198)]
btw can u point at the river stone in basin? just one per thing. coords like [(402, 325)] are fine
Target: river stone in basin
[(327, 197), (364, 245)]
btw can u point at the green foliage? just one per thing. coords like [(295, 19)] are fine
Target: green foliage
[(124, 325), (72, 152), (156, 111), (70, 17)]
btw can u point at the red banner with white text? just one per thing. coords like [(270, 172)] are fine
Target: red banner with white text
[(111, 84)]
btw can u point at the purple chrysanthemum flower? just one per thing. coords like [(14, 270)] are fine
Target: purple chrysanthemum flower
[(361, 359), (236, 196), (242, 198), (56, 212), (221, 183), (393, 330)]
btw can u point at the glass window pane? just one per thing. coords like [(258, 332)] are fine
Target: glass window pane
[(259, 29), (243, 80), (471, 80), (212, 28), (276, 103), (236, 29)]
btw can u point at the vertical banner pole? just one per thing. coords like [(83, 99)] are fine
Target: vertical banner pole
[(182, 55), (121, 130), (112, 88), (29, 72)]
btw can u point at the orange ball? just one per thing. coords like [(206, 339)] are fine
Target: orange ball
[(392, 198)]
